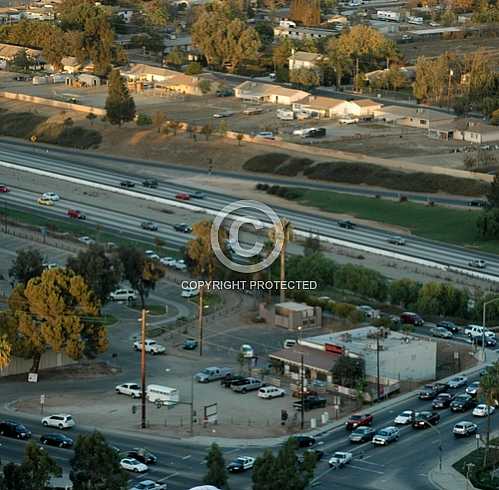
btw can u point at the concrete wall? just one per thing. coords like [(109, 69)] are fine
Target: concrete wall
[(53, 103), (49, 360)]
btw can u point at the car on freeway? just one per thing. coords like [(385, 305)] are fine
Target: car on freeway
[(142, 455), (130, 389), (269, 392), (457, 382), (430, 391), (127, 183), (58, 440), (410, 318), (406, 417), (182, 227), (182, 196), (151, 183), (441, 332), (219, 115), (340, 459), (9, 428), (472, 389), (130, 464), (481, 410), (75, 214), (450, 326), (123, 295), (462, 402), (396, 240), (51, 195), (362, 434), (167, 261), (442, 401), (240, 464), (478, 263), (386, 436), (426, 419), (190, 344), (358, 420), (304, 441), (464, 429), (149, 485), (197, 195), (42, 201), (149, 225), (4, 188), (86, 240), (60, 420), (347, 224)]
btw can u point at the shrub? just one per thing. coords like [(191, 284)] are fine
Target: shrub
[(266, 163), (293, 166), (19, 124), (343, 310), (70, 136), (143, 120)]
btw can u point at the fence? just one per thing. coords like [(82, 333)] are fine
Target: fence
[(49, 360)]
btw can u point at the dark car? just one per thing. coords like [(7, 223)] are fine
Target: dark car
[(4, 188), (346, 224), (426, 419), (462, 402), (225, 93), (411, 319), (359, 420), (182, 227), (230, 380), (142, 455), (190, 344), (450, 326), (429, 392), (304, 441), (479, 203), (127, 183), (58, 440), (362, 434), (9, 428), (149, 225), (197, 195), (489, 341), (151, 183), (310, 402), (442, 401)]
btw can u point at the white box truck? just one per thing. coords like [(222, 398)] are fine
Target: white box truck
[(388, 15), (162, 394)]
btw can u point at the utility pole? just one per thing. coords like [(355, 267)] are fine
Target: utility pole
[(302, 391), (192, 406), (287, 230), (200, 319), (143, 367), (378, 386)]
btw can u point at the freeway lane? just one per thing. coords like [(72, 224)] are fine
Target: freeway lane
[(445, 254)]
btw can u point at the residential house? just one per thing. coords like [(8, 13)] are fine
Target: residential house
[(9, 15), (418, 117), (303, 59), (172, 42), (323, 107), (69, 65), (302, 32), (476, 131), (9, 51), (265, 92), (364, 108)]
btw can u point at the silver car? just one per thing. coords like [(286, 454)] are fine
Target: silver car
[(386, 435)]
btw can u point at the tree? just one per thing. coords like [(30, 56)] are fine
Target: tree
[(176, 57), (21, 61), (95, 465), (57, 310), (239, 137), (5, 351), (308, 12), (205, 86), (158, 119), (348, 371), (404, 292), (91, 117), (493, 194), (305, 77), (281, 53), (489, 393), (337, 61), (263, 471), (142, 273), (158, 12), (207, 130), (120, 106), (27, 265), (217, 473), (439, 298), (100, 272), (193, 68)]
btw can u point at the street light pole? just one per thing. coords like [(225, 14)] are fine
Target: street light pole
[(302, 390), (143, 368), (200, 319), (484, 321)]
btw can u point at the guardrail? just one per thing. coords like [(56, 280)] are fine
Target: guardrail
[(214, 212)]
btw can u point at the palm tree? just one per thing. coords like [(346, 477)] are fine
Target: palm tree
[(282, 234), (5, 352), (489, 392)]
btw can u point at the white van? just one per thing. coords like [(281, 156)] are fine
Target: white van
[(188, 292), (162, 394), (288, 343)]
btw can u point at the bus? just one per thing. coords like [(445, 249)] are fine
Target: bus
[(163, 395)]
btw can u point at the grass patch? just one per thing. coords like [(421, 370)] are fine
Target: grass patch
[(20, 124), (68, 135), (211, 301), (154, 309), (436, 223), (369, 174)]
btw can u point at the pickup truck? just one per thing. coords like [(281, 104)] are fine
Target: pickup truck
[(310, 402), (211, 374), (151, 346), (149, 485), (245, 385), (477, 331), (359, 420), (229, 380)]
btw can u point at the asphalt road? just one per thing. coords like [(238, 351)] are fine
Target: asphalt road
[(402, 465), (441, 253)]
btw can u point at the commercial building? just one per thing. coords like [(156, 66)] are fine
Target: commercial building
[(302, 32), (327, 107), (292, 316)]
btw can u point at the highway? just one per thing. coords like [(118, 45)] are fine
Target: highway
[(419, 248), (402, 465)]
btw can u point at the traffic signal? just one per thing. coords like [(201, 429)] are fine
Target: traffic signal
[(284, 416)]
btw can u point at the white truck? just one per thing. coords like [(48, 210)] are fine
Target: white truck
[(477, 331), (149, 485), (150, 346), (388, 15), (285, 114), (212, 374), (415, 20)]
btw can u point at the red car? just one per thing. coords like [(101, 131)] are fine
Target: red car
[(76, 214), (4, 188), (359, 420), (183, 196)]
